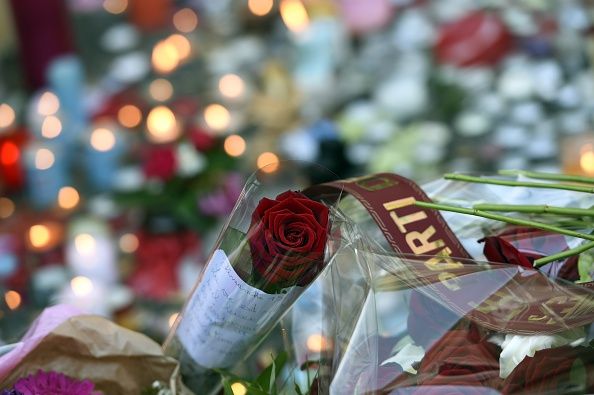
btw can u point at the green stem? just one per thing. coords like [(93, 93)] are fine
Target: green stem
[(564, 254), (535, 209), (495, 181), (502, 218), (548, 176)]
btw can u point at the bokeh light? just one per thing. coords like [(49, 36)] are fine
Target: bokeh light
[(260, 7), (85, 244), (317, 343), (6, 207), (217, 117), (7, 116), (165, 57), (185, 20), (13, 299), (9, 153), (234, 145), (48, 104), (129, 116), (51, 127), (231, 86), (102, 139), (267, 162), (587, 159), (44, 159), (81, 286), (172, 319), (294, 15), (68, 198), (238, 389), (115, 6), (161, 89), (162, 125), (128, 243), (181, 44), (39, 236)]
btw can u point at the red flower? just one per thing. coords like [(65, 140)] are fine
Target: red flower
[(461, 358), (548, 372), (478, 39), (522, 246), (287, 238), (201, 139), (160, 162)]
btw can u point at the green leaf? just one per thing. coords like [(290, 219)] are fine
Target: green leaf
[(578, 375), (585, 266), (227, 387), (297, 389), (267, 379)]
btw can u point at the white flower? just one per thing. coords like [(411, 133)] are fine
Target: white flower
[(407, 355), (190, 161), (516, 347)]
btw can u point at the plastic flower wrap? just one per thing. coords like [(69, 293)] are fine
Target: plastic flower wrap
[(434, 317), (277, 241)]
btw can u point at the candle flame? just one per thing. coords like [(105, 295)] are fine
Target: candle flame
[(294, 15)]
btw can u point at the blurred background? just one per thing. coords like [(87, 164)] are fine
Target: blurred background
[(128, 127)]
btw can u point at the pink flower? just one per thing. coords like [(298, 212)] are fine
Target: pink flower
[(55, 384)]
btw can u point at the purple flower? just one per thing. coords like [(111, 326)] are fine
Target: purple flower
[(221, 202), (53, 383)]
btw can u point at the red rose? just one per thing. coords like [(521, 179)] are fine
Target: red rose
[(478, 39), (522, 246), (201, 139), (459, 358), (287, 238), (548, 372), (160, 162)]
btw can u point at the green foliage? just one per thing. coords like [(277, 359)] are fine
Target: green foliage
[(266, 382)]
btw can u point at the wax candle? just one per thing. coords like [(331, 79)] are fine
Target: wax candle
[(65, 77), (104, 145), (45, 172), (43, 32), (577, 155), (91, 251)]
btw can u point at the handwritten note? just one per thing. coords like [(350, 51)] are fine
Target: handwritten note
[(225, 315)]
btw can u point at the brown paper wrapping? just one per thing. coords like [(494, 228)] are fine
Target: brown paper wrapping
[(117, 360)]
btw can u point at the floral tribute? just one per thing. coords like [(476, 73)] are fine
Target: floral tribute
[(51, 383)]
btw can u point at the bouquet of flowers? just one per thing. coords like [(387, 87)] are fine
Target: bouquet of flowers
[(67, 353), (273, 247), (493, 297)]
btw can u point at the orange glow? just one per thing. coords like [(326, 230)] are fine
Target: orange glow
[(162, 125), (129, 116), (44, 159), (161, 89), (39, 236), (217, 117), (102, 139), (81, 286), (13, 299), (318, 343), (128, 243), (185, 20), (172, 319), (294, 15), (231, 86), (181, 44), (48, 104), (68, 198), (6, 207), (234, 145), (7, 116), (260, 7), (51, 127), (165, 57), (115, 6), (9, 154), (587, 159), (267, 162)]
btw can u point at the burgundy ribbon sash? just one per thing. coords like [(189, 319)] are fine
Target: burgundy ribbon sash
[(501, 297)]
